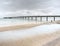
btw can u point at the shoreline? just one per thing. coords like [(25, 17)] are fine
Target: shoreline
[(25, 26), (19, 26)]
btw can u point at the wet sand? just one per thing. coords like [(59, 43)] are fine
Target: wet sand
[(19, 26), (38, 40), (23, 26), (54, 42)]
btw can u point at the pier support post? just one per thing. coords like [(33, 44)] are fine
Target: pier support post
[(28, 18), (40, 18), (35, 18), (25, 18), (46, 18), (54, 18), (31, 18)]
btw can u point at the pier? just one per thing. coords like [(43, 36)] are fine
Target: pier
[(34, 17)]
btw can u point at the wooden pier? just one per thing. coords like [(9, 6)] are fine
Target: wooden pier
[(32, 17)]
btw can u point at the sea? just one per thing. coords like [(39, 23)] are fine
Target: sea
[(6, 22)]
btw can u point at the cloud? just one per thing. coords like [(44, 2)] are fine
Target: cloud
[(13, 5), (34, 7)]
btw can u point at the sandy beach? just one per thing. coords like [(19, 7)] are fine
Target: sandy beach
[(36, 40), (23, 26), (19, 26)]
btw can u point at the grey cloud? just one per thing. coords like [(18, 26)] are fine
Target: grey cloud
[(24, 4), (46, 6)]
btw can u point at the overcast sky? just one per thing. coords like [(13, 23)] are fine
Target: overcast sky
[(29, 7)]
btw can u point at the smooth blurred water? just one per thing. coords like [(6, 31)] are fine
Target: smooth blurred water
[(6, 22)]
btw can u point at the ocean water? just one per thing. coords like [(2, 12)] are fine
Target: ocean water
[(8, 22)]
